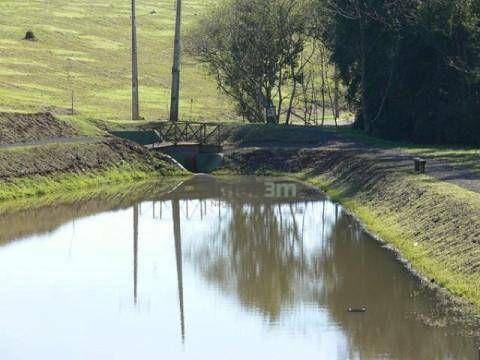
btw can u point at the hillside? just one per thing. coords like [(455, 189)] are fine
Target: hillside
[(84, 46)]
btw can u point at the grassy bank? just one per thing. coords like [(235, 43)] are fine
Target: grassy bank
[(438, 250), (434, 225), (42, 155), (41, 185), (76, 44)]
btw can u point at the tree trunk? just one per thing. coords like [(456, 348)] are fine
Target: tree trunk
[(280, 97), (322, 68), (336, 94), (363, 74), (292, 97)]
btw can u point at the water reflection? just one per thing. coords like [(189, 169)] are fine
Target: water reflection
[(177, 233), (261, 257), (263, 276), (178, 255), (135, 253)]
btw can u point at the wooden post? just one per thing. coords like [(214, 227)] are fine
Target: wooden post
[(135, 100), (175, 91), (185, 133), (72, 110), (176, 131)]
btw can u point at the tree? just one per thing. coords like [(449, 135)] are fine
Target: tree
[(253, 48), (411, 66)]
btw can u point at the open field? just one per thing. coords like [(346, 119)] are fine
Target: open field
[(84, 46)]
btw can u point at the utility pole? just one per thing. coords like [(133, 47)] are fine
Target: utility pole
[(176, 64), (135, 106)]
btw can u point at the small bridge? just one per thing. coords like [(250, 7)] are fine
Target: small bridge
[(196, 145), (189, 132)]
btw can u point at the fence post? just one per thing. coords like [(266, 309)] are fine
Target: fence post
[(219, 135), (175, 133)]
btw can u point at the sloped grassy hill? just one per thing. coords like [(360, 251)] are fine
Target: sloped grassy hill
[(84, 46)]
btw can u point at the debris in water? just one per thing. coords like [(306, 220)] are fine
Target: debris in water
[(357, 310)]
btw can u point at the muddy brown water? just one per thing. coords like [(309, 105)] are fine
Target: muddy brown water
[(210, 269)]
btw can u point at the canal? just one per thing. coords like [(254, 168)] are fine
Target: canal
[(210, 268)]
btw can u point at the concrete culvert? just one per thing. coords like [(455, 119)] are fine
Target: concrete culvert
[(30, 36)]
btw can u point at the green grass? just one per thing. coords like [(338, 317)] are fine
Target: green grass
[(84, 46), (38, 186), (85, 126)]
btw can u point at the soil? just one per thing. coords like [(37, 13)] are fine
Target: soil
[(28, 128), (78, 157), (40, 144)]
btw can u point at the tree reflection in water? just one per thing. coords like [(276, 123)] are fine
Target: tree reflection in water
[(280, 258), (295, 263)]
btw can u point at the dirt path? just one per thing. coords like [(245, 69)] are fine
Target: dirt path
[(455, 174), (395, 159), (56, 140), (442, 170)]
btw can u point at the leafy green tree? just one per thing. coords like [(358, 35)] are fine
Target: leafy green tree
[(411, 66), (253, 48)]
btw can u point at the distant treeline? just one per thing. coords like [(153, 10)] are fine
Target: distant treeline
[(409, 69), (412, 67)]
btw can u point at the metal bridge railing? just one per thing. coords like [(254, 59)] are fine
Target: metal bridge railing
[(201, 133)]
